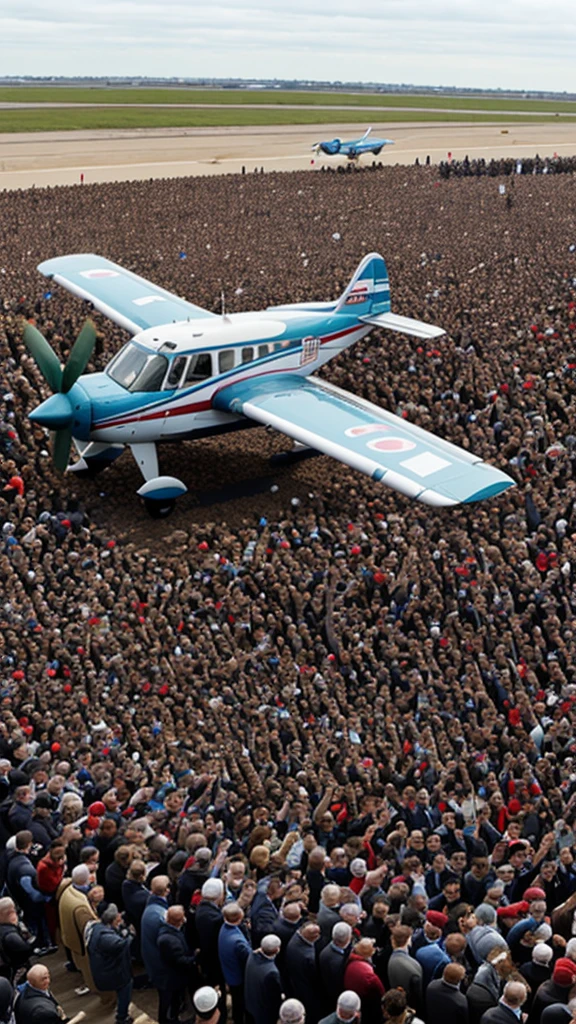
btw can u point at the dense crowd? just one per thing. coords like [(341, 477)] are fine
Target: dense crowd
[(506, 166), (315, 756)]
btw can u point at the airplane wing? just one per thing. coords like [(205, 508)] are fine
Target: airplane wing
[(127, 299), (404, 325), (384, 446)]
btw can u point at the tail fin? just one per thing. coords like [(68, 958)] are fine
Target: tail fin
[(368, 293)]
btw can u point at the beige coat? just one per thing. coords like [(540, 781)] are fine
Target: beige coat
[(75, 912)]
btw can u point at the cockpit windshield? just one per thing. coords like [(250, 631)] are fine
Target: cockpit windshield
[(137, 370)]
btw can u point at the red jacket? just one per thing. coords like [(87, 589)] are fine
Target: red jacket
[(49, 875), (361, 978)]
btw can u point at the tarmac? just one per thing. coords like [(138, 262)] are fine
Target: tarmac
[(41, 159)]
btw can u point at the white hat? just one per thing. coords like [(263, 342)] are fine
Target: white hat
[(358, 867), (541, 953), (212, 888), (205, 999)]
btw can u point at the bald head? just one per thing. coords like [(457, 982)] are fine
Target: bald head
[(330, 895), (455, 944), (515, 994), (233, 913), (175, 916), (292, 912), (453, 974), (270, 945), (160, 885), (310, 932), (39, 977)]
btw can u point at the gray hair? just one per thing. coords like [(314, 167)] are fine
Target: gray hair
[(110, 914), (341, 934), (485, 914), (348, 1001), (292, 1011)]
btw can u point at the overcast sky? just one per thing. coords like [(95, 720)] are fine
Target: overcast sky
[(511, 44)]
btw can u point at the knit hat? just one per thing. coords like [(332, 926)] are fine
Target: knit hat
[(534, 893), (564, 972), (541, 954), (205, 999), (436, 918)]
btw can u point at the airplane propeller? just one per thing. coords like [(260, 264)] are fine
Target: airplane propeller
[(57, 413)]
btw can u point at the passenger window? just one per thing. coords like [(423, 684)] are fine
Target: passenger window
[(175, 373), (199, 367), (262, 351), (226, 360), (247, 355)]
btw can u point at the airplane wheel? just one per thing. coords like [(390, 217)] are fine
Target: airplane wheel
[(159, 509)]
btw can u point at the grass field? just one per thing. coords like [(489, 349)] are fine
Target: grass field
[(90, 118), (249, 97)]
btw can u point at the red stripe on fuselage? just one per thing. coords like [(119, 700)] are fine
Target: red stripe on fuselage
[(184, 410)]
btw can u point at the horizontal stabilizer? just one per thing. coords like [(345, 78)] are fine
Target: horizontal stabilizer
[(404, 325)]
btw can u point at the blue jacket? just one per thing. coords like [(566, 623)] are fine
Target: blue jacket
[(233, 951), (430, 958), (152, 920)]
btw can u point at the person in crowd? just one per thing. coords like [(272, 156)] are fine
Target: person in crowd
[(361, 978), (35, 1003), (444, 999), (176, 961), (108, 947), (233, 952), (262, 983), (347, 1009)]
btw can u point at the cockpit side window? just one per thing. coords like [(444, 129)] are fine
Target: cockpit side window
[(137, 370), (175, 373)]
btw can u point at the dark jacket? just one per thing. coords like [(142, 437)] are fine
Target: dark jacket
[(189, 882), (208, 921), (109, 955), (444, 1002), (135, 897), (176, 958), (19, 867), (36, 1007), (303, 976), (548, 993), (15, 951), (152, 919), (113, 878), (262, 988), (332, 964), (263, 918), (499, 1014)]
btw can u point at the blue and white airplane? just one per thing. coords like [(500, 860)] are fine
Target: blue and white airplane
[(189, 373), (354, 148)]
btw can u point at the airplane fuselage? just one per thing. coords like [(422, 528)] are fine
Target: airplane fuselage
[(227, 351)]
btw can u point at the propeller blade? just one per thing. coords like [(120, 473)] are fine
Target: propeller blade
[(79, 356), (61, 450), (45, 357)]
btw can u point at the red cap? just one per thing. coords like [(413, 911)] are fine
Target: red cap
[(97, 809), (564, 972), (534, 893), (436, 918), (514, 910)]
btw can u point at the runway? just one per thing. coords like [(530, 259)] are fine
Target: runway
[(42, 159)]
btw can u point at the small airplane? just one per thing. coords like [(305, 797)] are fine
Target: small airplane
[(354, 148), (188, 373)]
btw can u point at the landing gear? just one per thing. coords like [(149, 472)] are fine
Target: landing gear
[(159, 509), (159, 492)]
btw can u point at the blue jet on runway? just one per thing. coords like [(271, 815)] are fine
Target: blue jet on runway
[(354, 148)]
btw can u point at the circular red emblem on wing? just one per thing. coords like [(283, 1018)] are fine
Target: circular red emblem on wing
[(391, 444)]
